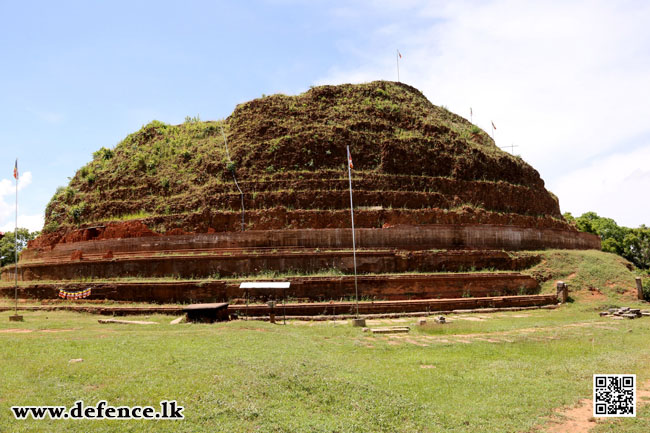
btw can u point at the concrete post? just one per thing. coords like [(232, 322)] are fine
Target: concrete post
[(562, 291), (271, 305), (639, 288)]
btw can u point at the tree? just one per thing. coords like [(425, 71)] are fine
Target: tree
[(633, 244), (636, 247), (7, 244)]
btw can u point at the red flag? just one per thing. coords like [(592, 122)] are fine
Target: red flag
[(494, 126), (16, 170), (349, 157), (399, 54)]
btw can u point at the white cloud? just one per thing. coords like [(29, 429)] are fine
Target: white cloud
[(31, 222), (566, 81), (8, 205), (614, 186)]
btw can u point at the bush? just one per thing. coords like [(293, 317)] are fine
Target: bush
[(381, 93), (103, 154), (76, 212), (51, 227)]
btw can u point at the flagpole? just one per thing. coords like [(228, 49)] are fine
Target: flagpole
[(16, 246), (354, 248), (16, 317), (397, 58)]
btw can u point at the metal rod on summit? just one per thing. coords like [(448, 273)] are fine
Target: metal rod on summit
[(398, 56), (512, 148), (354, 247)]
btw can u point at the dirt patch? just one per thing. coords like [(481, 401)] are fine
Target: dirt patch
[(591, 294), (415, 342), (579, 418), (15, 331), (490, 337), (254, 329)]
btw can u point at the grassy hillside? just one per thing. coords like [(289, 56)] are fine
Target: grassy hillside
[(287, 150), (591, 274)]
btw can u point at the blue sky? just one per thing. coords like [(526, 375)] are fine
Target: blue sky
[(567, 82)]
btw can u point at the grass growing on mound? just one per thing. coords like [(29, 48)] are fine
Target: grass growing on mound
[(606, 273), (159, 159), (172, 169)]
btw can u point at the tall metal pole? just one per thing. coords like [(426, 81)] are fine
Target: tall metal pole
[(397, 58), (16, 245), (354, 247)]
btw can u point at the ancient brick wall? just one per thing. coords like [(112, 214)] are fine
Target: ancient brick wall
[(442, 236), (388, 287)]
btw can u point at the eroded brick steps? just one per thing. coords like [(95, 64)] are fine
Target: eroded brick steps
[(226, 263), (330, 310), (379, 287)]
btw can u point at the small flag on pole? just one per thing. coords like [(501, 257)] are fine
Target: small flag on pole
[(493, 126), (399, 54), (350, 160), (16, 170)]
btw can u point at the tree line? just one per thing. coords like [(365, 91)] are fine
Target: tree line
[(632, 244), (8, 244)]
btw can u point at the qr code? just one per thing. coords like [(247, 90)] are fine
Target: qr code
[(614, 395)]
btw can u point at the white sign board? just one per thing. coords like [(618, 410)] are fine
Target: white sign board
[(265, 285)]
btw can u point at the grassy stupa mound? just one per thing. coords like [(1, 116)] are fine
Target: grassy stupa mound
[(414, 163)]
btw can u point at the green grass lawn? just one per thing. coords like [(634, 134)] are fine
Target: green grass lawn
[(505, 372)]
